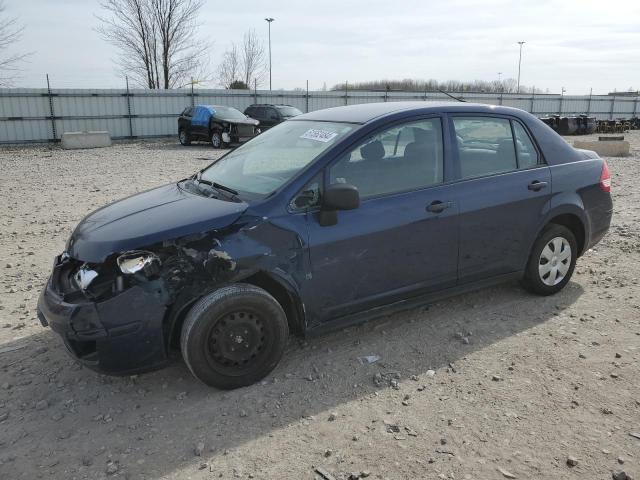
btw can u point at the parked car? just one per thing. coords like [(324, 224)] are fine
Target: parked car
[(270, 115), (330, 218), (220, 125)]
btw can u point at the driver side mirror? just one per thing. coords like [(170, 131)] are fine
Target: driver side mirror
[(337, 196)]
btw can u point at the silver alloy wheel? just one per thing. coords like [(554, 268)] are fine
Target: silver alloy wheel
[(183, 137), (554, 261), (216, 140)]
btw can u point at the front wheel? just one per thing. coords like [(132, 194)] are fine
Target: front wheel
[(234, 336), (552, 261), (216, 140)]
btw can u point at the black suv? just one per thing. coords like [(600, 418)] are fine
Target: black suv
[(269, 115)]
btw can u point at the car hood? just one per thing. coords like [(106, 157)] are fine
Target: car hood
[(247, 121), (164, 213)]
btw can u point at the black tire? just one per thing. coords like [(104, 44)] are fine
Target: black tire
[(184, 137), (539, 273), (216, 139), (239, 316)]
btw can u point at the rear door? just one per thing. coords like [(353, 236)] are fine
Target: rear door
[(503, 192), (272, 117), (200, 121)]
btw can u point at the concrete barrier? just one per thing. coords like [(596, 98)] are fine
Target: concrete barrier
[(614, 148), (75, 140)]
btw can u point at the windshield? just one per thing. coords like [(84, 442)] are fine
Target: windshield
[(289, 111), (263, 164), (229, 113)]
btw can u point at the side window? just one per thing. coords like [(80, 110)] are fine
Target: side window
[(260, 113), (309, 196), (272, 114), (527, 154), (401, 158), (485, 146)]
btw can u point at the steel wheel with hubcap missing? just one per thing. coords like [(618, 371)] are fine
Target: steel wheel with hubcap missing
[(552, 260), (236, 341), (234, 336)]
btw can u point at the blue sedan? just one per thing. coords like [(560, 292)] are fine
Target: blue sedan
[(330, 218)]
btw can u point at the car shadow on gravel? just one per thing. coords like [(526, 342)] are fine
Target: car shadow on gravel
[(151, 423)]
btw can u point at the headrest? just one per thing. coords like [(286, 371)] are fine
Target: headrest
[(423, 136), (506, 144), (372, 151)]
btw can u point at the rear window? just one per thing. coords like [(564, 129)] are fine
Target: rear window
[(228, 113), (485, 146), (527, 153), (289, 111)]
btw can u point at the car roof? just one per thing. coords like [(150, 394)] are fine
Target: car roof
[(215, 106), (367, 112), (270, 105)]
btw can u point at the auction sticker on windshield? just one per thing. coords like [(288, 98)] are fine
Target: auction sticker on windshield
[(319, 135)]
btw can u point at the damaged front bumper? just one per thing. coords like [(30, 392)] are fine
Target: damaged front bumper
[(120, 335)]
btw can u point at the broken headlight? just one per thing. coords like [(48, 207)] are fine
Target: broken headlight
[(138, 261), (84, 276)]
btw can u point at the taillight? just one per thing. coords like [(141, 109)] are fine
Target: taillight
[(605, 178)]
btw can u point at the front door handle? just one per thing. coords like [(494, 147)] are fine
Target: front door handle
[(536, 185), (438, 207)]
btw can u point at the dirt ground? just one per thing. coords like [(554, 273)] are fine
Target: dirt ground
[(489, 385)]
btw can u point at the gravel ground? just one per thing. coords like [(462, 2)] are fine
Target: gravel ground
[(492, 384)]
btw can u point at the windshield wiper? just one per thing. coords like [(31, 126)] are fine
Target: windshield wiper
[(217, 186), (225, 188)]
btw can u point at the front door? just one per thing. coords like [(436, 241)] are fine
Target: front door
[(402, 240)]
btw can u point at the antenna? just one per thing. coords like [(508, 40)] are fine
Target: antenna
[(455, 98)]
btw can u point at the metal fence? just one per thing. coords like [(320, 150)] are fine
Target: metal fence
[(42, 115)]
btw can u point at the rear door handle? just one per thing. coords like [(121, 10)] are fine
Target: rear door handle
[(438, 206), (537, 185)]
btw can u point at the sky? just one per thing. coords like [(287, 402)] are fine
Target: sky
[(573, 44)]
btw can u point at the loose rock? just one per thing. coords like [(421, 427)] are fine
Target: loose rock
[(198, 449)]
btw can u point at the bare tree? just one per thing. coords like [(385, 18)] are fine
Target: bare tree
[(229, 69), (244, 64), (10, 33), (157, 40), (507, 85), (253, 58)]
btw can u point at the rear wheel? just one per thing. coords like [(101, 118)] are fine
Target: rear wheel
[(234, 337), (184, 137), (552, 261)]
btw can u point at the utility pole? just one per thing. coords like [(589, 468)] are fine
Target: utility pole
[(51, 111), (519, 64), (269, 20)]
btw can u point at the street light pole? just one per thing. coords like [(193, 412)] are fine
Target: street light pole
[(519, 63), (269, 20)]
